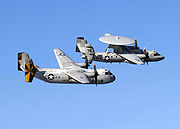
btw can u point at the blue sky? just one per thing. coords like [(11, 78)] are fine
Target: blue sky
[(142, 97)]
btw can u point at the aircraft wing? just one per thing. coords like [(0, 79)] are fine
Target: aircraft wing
[(63, 60), (132, 57), (78, 76)]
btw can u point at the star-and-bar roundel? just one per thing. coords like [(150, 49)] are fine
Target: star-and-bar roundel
[(50, 76)]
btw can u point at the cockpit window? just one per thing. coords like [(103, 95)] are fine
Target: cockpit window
[(156, 54), (108, 73), (89, 50)]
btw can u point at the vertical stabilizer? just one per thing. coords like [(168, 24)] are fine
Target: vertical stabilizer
[(85, 49), (26, 64)]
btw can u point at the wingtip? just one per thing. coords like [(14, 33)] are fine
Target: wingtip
[(57, 49), (107, 34)]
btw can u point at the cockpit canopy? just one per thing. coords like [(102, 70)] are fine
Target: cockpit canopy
[(156, 53), (107, 72)]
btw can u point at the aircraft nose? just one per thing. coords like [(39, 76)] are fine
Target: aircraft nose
[(114, 78), (162, 57)]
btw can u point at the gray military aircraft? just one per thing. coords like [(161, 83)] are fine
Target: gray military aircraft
[(70, 71), (117, 51)]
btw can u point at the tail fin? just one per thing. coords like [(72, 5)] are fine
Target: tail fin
[(26, 64), (85, 49), (79, 43), (19, 59)]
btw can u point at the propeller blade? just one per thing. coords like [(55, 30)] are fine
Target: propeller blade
[(146, 55), (86, 61), (145, 50), (136, 44), (95, 74)]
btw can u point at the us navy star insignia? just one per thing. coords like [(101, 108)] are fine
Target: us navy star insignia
[(50, 76)]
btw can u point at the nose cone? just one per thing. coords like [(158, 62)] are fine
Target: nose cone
[(113, 78), (162, 58)]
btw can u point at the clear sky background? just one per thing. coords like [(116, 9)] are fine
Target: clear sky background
[(142, 97)]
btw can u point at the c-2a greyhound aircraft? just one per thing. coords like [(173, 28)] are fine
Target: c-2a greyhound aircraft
[(117, 51), (70, 71)]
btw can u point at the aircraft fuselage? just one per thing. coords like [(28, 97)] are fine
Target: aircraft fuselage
[(114, 57), (53, 75)]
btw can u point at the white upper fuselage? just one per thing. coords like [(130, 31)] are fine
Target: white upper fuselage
[(130, 54), (114, 57), (55, 75)]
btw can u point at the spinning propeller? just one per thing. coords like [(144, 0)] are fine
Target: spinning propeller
[(95, 74), (86, 61), (95, 70), (136, 44), (146, 55)]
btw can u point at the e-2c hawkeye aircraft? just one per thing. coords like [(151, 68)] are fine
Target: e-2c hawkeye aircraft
[(69, 71), (117, 51)]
